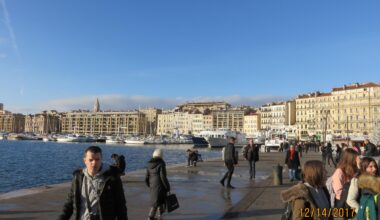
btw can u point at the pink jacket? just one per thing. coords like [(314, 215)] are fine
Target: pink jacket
[(338, 180)]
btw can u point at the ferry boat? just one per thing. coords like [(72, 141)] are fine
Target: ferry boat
[(219, 138), (114, 140), (74, 138), (274, 141)]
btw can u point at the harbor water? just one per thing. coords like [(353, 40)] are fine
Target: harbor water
[(26, 164)]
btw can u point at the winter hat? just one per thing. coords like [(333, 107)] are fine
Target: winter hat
[(157, 153)]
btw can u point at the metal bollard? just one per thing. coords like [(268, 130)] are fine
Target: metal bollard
[(277, 175)]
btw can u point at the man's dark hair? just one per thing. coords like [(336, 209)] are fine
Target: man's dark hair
[(232, 138), (114, 156), (93, 149)]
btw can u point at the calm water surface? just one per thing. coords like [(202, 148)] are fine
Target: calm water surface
[(25, 164)]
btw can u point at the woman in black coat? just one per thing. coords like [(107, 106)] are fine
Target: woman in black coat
[(292, 160), (158, 184)]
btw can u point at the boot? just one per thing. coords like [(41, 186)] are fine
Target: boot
[(152, 213), (160, 212), (229, 182)]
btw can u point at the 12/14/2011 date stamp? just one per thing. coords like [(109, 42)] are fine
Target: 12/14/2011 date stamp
[(327, 212)]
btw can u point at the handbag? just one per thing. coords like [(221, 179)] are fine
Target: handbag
[(172, 202)]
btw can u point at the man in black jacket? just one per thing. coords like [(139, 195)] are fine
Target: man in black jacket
[(251, 154), (229, 160), (96, 192), (370, 149)]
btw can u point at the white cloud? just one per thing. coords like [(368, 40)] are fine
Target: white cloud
[(121, 102)]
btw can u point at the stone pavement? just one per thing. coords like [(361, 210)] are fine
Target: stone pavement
[(198, 190)]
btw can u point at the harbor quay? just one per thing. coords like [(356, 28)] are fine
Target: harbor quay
[(198, 190)]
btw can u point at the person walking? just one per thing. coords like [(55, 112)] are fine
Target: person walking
[(229, 161), (251, 154), (158, 184), (324, 152), (96, 191), (292, 160), (329, 154), (338, 153), (300, 149)]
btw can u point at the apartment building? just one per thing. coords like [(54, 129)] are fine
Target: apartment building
[(151, 115), (355, 109), (351, 110), (312, 117), (12, 123), (207, 122), (170, 122), (231, 119), (252, 124), (46, 122), (86, 122), (202, 106), (278, 115)]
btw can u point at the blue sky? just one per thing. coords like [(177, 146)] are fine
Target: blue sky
[(62, 54)]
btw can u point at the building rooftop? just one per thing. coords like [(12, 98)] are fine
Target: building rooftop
[(356, 86)]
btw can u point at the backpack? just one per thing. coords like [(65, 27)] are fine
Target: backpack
[(367, 207), (288, 212), (331, 191)]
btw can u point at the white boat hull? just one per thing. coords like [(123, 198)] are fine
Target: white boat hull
[(134, 142)]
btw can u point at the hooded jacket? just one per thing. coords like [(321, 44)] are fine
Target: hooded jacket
[(111, 204), (157, 181), (370, 185), (301, 198)]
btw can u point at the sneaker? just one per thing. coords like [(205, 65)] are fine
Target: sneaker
[(230, 187), (222, 182)]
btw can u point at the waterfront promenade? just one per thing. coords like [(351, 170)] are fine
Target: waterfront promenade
[(198, 189)]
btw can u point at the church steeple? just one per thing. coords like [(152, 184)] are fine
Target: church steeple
[(97, 106)]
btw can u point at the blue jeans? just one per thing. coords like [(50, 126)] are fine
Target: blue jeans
[(292, 174), (252, 168)]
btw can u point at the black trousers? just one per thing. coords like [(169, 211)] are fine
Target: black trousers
[(230, 171)]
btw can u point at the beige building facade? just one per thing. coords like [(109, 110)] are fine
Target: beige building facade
[(231, 119), (105, 123), (348, 111), (43, 123), (252, 124), (355, 110), (278, 115), (202, 106), (151, 115), (312, 114), (170, 122), (12, 123)]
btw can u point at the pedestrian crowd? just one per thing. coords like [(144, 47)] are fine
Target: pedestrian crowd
[(351, 192)]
